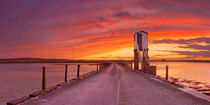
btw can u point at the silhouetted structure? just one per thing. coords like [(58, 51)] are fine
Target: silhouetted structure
[(141, 53)]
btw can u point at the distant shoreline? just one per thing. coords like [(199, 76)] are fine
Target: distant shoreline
[(40, 60), (180, 61)]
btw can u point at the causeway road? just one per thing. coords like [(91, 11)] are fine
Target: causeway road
[(118, 85)]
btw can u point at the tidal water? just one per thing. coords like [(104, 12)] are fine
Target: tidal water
[(197, 71), (195, 75), (17, 80)]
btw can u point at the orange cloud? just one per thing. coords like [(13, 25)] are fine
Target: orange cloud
[(80, 29)]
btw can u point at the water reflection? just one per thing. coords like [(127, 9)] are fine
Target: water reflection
[(18, 80), (195, 75), (185, 70)]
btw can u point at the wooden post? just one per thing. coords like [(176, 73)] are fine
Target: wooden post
[(100, 66), (78, 69), (166, 72), (97, 66), (131, 65), (136, 60), (66, 68), (43, 78)]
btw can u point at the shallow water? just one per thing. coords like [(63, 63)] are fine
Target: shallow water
[(195, 75), (196, 71), (18, 80)]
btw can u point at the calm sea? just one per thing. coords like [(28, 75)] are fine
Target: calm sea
[(194, 71), (18, 80)]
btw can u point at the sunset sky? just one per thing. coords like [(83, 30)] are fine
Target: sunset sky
[(103, 29)]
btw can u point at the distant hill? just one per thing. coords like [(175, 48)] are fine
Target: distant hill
[(43, 60), (164, 60), (40, 60)]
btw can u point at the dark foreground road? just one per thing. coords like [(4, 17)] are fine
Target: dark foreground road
[(118, 86)]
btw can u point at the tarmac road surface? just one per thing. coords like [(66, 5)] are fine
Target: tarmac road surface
[(118, 86)]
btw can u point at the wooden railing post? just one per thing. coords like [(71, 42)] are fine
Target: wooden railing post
[(166, 72), (66, 68), (43, 78), (78, 69), (131, 65), (97, 66)]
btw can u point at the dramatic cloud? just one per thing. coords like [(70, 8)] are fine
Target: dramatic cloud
[(184, 41), (76, 29), (200, 54), (201, 45), (197, 47)]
